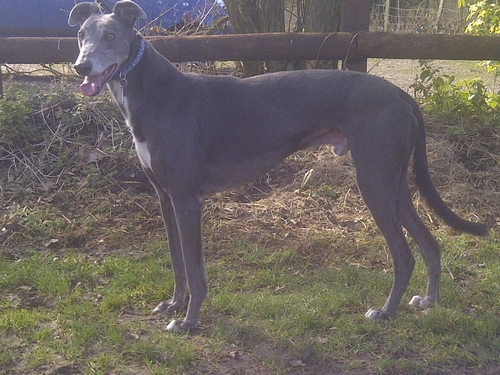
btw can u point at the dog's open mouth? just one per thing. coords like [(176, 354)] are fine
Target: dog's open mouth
[(92, 85)]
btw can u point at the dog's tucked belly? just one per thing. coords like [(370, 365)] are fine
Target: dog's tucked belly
[(329, 136), (225, 172), (233, 173)]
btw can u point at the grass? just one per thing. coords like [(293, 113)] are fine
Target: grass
[(69, 309), (293, 261), (94, 313)]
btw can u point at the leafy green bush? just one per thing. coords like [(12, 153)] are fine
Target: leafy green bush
[(54, 137), (16, 123), (484, 18), (445, 98)]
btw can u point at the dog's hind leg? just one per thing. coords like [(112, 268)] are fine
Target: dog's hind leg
[(428, 247), (380, 190), (180, 286)]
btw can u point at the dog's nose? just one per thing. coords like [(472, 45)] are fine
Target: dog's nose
[(83, 69)]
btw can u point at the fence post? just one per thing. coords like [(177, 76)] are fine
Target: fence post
[(356, 18)]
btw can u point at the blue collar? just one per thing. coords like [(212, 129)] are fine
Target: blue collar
[(122, 74)]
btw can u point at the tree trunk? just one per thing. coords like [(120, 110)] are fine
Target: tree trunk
[(257, 16), (318, 16), (272, 15)]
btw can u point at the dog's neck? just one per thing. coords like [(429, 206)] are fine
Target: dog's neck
[(130, 63), (137, 49)]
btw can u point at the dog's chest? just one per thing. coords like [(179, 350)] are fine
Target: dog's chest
[(141, 146), (143, 153)]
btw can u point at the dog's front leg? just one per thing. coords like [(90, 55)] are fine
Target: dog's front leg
[(176, 303), (187, 210)]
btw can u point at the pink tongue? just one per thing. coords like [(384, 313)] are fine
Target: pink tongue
[(91, 85)]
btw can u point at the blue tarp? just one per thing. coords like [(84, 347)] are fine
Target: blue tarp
[(50, 17)]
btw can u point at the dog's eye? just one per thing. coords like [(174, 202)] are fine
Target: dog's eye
[(81, 35), (110, 36)]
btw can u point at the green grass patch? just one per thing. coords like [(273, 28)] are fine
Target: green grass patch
[(94, 313), (69, 308)]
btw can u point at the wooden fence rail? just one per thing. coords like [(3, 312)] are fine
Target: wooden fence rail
[(352, 48), (276, 46)]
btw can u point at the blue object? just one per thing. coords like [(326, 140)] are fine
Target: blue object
[(31, 18)]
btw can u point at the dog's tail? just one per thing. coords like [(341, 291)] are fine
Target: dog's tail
[(428, 189)]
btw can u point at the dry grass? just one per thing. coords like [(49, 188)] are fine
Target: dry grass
[(312, 194), (278, 208)]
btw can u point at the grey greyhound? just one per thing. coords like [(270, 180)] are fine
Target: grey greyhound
[(199, 134)]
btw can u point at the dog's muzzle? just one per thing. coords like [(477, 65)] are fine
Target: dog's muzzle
[(93, 84)]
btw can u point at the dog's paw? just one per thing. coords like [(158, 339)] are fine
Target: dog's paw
[(375, 314), (167, 307), (179, 326), (421, 302)]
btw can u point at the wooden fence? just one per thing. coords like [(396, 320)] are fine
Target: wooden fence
[(275, 46), (353, 45)]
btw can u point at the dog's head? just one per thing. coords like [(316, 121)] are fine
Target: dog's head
[(104, 41)]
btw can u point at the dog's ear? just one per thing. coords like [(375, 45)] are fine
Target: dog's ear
[(128, 12), (81, 12)]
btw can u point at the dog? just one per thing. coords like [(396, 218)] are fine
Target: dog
[(199, 134)]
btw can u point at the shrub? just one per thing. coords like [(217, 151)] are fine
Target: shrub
[(445, 98), (484, 18), (16, 124)]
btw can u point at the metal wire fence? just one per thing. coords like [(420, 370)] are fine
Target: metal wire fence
[(419, 19)]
